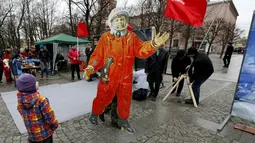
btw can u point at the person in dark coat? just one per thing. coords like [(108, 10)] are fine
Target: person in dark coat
[(60, 61), (32, 52), (199, 71), (44, 57), (155, 68), (178, 67), (89, 50), (228, 54)]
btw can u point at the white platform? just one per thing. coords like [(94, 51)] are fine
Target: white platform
[(67, 100)]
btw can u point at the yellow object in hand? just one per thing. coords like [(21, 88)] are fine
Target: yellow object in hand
[(87, 72)]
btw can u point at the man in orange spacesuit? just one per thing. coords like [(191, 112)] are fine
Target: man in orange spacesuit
[(115, 53)]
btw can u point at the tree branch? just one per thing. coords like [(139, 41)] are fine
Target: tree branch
[(5, 15)]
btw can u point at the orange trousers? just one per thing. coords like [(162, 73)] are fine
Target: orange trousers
[(105, 95)]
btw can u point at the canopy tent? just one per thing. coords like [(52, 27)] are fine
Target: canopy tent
[(61, 39)]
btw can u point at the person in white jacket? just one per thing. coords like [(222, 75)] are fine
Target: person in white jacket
[(140, 78)]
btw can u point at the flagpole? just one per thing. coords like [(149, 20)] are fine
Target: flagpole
[(77, 46), (211, 25)]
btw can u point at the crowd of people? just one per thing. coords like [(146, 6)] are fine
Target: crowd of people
[(12, 61)]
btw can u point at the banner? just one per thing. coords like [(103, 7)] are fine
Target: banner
[(244, 101), (188, 11)]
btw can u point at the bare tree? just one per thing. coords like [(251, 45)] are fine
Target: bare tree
[(159, 19), (172, 27), (237, 33), (187, 34), (105, 7), (5, 9), (226, 35), (214, 31), (91, 10)]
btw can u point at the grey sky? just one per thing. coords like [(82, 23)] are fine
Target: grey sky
[(244, 7)]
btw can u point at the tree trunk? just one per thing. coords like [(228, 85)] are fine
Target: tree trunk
[(171, 34), (2, 39), (19, 25), (142, 18), (187, 36), (29, 25), (99, 18), (26, 34), (71, 18)]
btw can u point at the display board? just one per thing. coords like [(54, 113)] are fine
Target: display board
[(244, 101)]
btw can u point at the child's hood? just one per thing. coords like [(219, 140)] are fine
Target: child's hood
[(27, 100), (26, 83)]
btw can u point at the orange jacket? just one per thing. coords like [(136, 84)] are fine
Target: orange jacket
[(122, 50)]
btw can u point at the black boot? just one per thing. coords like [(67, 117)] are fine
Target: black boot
[(93, 119), (115, 124), (188, 101), (102, 117), (124, 124)]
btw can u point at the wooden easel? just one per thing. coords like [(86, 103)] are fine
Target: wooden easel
[(183, 76)]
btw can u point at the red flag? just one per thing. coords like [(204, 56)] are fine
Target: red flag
[(82, 30), (130, 28), (188, 11)]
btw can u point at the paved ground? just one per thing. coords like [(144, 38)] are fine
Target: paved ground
[(166, 122)]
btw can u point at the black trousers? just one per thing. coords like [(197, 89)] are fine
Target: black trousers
[(48, 140), (196, 86), (75, 67), (154, 86), (226, 60), (113, 109), (180, 87)]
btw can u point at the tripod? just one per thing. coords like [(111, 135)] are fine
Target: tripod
[(183, 76)]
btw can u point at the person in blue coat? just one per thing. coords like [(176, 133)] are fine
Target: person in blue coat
[(17, 65)]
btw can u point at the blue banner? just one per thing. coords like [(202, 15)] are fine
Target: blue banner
[(246, 83), (244, 102)]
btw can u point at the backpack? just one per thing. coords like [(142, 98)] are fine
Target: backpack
[(140, 94)]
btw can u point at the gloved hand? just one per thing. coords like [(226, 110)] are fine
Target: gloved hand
[(175, 79), (157, 40), (88, 71)]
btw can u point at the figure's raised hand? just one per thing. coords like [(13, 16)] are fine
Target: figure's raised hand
[(157, 40)]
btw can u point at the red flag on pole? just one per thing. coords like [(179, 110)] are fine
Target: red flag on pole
[(82, 30), (188, 11)]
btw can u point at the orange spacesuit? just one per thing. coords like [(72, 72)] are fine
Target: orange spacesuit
[(122, 50)]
